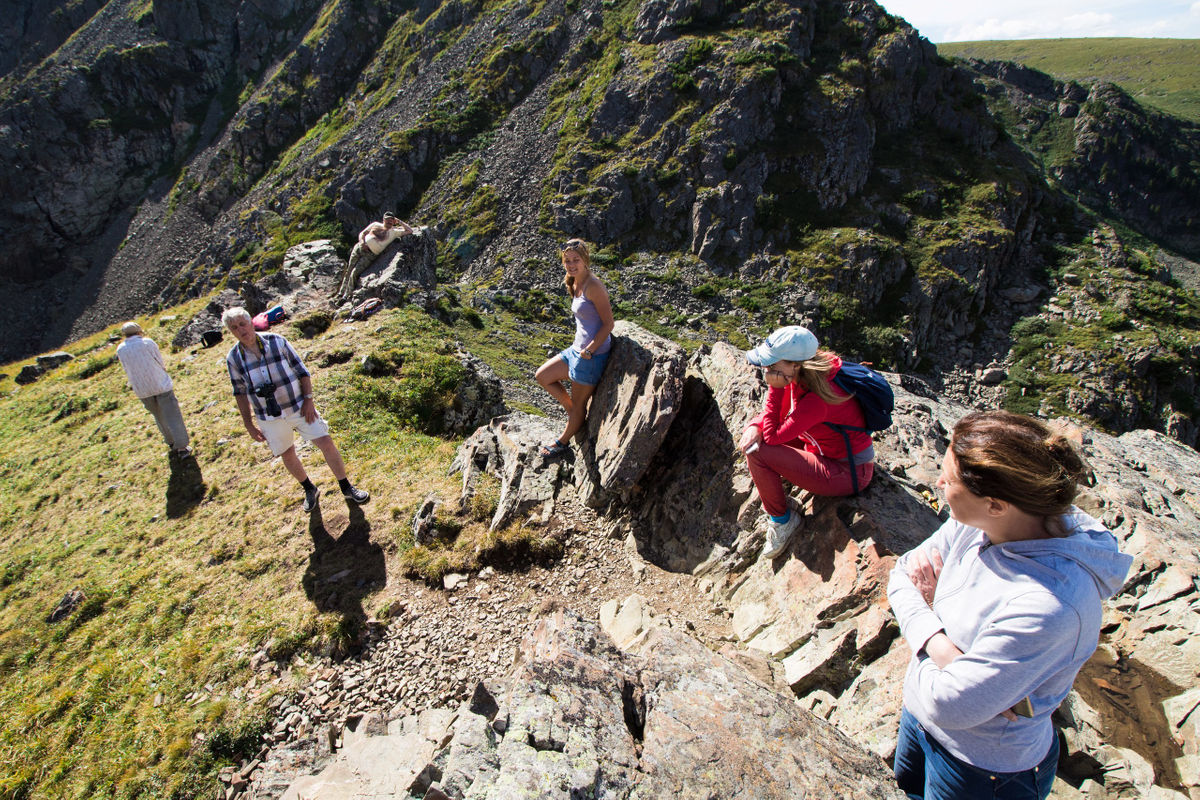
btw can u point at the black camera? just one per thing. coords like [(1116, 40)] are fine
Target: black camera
[(267, 392)]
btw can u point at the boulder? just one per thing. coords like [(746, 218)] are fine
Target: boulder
[(28, 374), (370, 765), (630, 413), (993, 376), (423, 521), (624, 621), (508, 449), (208, 319), (308, 275), (632, 409), (70, 601), (408, 265), (685, 514), (477, 400), (316, 263), (54, 360)]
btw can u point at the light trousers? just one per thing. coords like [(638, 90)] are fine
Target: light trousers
[(360, 258), (165, 409)]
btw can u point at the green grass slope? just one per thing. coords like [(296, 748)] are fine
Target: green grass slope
[(1162, 73), (147, 689)]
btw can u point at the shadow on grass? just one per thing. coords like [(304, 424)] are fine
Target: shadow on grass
[(185, 487), (343, 570)]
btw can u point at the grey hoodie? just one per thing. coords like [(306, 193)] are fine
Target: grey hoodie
[(1026, 616)]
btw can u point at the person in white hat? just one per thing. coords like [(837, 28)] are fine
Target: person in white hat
[(147, 374), (789, 439)]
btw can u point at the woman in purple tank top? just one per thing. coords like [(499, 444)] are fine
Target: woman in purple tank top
[(582, 362)]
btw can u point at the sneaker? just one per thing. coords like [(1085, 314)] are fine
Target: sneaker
[(356, 495), (778, 533), (310, 499), (184, 453)]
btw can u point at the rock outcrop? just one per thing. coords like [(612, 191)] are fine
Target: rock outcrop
[(477, 399), (631, 411), (309, 276), (577, 717), (819, 614), (408, 265)]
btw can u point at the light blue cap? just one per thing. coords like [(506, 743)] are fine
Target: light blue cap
[(792, 343)]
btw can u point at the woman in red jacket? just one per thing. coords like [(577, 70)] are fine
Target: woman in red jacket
[(790, 439)]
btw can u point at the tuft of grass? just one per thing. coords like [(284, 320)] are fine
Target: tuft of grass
[(314, 324), (414, 384), (463, 543), (95, 366)]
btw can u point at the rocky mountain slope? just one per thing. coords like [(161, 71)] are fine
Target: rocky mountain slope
[(1117, 157), (736, 163)]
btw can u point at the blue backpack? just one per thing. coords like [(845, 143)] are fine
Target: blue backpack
[(876, 398)]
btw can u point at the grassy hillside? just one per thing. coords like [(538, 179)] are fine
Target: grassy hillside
[(1161, 73), (191, 576), (147, 689)]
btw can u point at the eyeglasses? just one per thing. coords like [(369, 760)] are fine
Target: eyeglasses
[(572, 244)]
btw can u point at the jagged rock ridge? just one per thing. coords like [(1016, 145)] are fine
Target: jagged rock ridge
[(814, 161)]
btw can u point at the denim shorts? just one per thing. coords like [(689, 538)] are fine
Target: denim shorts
[(584, 370)]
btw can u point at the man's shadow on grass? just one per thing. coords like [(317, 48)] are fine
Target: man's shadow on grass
[(185, 487), (342, 571)]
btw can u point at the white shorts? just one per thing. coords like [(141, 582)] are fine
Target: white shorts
[(279, 430)]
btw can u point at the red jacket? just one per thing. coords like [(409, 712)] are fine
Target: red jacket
[(794, 416)]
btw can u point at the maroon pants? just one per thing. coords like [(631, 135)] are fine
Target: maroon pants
[(770, 464)]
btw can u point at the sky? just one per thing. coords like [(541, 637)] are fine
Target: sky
[(958, 21)]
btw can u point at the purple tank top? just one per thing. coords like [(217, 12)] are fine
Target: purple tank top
[(588, 323)]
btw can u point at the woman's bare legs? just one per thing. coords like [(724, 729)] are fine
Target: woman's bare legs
[(576, 414), (551, 376)]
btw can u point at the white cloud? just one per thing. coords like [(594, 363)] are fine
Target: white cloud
[(1035, 27), (992, 29), (941, 21), (1088, 21)]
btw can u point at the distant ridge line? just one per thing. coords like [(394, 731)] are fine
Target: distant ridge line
[(1163, 74)]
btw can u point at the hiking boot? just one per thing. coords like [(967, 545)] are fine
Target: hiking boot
[(310, 499), (778, 533), (182, 453), (356, 495)]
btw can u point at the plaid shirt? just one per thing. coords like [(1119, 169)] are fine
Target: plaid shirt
[(279, 364)]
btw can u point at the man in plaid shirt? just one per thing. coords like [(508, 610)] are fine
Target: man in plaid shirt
[(268, 377)]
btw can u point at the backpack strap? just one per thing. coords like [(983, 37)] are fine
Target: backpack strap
[(842, 429)]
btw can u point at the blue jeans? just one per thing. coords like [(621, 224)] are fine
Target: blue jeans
[(927, 771)]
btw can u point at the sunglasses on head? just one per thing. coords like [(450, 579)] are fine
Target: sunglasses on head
[(573, 244)]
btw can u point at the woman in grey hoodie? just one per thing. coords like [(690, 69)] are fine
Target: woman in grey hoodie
[(1001, 607)]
